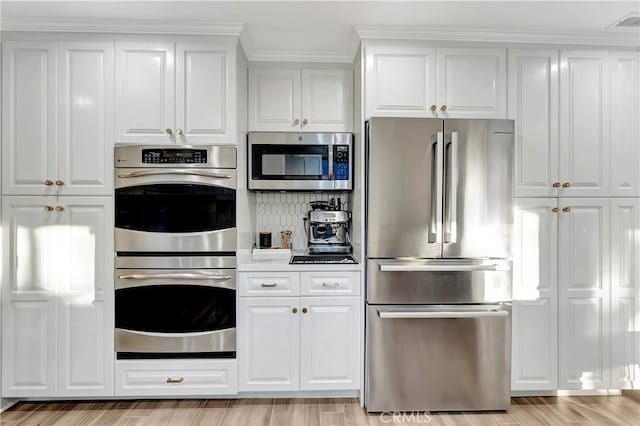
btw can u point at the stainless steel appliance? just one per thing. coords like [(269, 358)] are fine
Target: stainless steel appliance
[(168, 307), (439, 223), (300, 161), (327, 228), (175, 199)]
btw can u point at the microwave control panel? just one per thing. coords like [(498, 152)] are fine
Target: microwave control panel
[(341, 162), (174, 156)]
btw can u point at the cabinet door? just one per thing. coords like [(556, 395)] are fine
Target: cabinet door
[(85, 114), (400, 81), (330, 343), (472, 83), (327, 100), (85, 302), (205, 104), (625, 136), (584, 137), (533, 104), (145, 96), (268, 343), (31, 276), (28, 117), (625, 293), (274, 100), (535, 295), (583, 265)]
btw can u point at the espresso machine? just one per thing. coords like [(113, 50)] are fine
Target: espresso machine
[(327, 228)]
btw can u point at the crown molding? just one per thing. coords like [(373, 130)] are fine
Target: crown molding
[(601, 38), (130, 26), (299, 56)]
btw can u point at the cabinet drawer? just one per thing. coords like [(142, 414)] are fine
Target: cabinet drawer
[(270, 284), (176, 377), (330, 283)]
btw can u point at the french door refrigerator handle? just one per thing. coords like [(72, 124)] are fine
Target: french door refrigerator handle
[(437, 142), (441, 314), (450, 234)]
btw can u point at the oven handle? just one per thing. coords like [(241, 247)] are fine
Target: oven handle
[(441, 314), (388, 267), (142, 173), (182, 276)]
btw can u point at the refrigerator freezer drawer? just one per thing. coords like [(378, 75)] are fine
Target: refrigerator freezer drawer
[(438, 281), (438, 358)]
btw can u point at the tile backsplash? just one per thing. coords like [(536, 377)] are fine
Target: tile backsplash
[(277, 212)]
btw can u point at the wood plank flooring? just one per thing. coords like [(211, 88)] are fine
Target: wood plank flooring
[(582, 410)]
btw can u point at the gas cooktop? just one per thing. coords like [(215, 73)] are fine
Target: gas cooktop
[(323, 258)]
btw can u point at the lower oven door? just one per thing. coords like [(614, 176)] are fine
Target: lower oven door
[(438, 358), (173, 311)]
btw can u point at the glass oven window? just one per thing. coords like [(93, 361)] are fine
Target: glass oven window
[(299, 162), (175, 208), (175, 308)]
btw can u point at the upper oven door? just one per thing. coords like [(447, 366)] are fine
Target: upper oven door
[(175, 210)]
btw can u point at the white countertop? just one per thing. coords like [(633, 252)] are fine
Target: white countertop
[(247, 263)]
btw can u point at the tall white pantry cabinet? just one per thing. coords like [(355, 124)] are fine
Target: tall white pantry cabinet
[(577, 245)]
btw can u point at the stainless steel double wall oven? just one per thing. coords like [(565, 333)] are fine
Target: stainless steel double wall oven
[(175, 240)]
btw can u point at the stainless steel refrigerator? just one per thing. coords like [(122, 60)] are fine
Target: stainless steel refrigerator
[(439, 218)]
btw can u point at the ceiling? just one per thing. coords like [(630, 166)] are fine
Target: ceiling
[(327, 27)]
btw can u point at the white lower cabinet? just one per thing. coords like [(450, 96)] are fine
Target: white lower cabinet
[(57, 325), (306, 343), (176, 377)]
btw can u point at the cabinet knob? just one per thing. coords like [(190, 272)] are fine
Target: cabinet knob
[(566, 185), (48, 208), (179, 131), (433, 108), (294, 310), (443, 108), (59, 208), (304, 121), (566, 209), (555, 209), (296, 122), (304, 310), (48, 182), (169, 131), (556, 184), (59, 182)]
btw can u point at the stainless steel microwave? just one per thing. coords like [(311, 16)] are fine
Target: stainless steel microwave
[(300, 161)]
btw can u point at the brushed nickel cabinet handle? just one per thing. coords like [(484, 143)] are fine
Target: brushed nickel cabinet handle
[(304, 310), (335, 285), (169, 131), (59, 208), (296, 122), (179, 131), (556, 184), (48, 208), (48, 182), (304, 121), (566, 185), (59, 182), (433, 108), (566, 209), (175, 379), (443, 108), (555, 209), (269, 285), (294, 310)]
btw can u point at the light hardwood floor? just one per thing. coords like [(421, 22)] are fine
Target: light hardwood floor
[(612, 410)]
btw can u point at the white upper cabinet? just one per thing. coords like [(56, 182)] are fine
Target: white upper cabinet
[(584, 124), (400, 81), (308, 100), (625, 293), (583, 264), (472, 83), (534, 105), (535, 295), (145, 92), (29, 156), (204, 101), (170, 93), (85, 118), (624, 112), (71, 82), (274, 99)]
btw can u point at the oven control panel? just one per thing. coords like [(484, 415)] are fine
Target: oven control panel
[(341, 162), (174, 156)]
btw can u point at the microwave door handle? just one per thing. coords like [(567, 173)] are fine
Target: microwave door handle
[(451, 204), (203, 173), (436, 189)]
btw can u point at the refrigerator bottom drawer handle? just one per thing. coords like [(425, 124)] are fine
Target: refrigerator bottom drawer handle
[(441, 315), (436, 268)]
